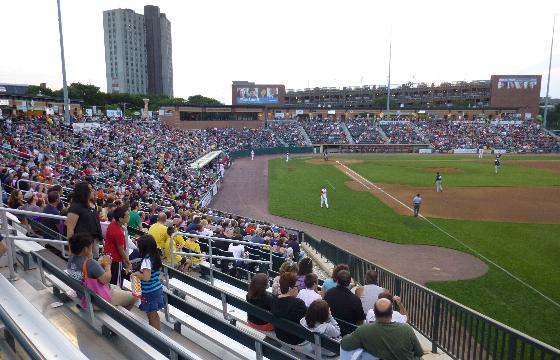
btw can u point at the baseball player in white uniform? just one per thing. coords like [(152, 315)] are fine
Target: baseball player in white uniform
[(287, 156), (480, 152), (324, 199), (252, 154)]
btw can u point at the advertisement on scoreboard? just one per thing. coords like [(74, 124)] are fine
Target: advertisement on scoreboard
[(517, 83), (257, 95)]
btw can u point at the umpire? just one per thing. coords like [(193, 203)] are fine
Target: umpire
[(416, 203)]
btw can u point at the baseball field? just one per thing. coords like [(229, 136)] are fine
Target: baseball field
[(509, 220)]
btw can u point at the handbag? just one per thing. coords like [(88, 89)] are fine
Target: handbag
[(103, 290)]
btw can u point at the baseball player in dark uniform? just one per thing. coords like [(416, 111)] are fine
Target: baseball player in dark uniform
[(497, 164), (439, 179)]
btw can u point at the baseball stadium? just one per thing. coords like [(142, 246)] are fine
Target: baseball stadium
[(418, 220)]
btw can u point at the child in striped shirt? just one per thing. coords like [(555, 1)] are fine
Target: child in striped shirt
[(152, 289)]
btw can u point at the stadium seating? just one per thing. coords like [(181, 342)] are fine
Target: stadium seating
[(364, 131)]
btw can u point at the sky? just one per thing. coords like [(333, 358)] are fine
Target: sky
[(292, 42)]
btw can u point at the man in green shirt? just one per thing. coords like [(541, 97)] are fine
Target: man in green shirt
[(134, 221), (383, 339)]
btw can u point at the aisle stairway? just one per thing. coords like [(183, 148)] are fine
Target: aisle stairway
[(419, 133), (348, 135), (382, 133), (305, 136)]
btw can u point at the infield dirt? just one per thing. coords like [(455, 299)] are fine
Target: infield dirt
[(538, 205)]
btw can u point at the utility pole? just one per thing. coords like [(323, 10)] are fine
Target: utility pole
[(64, 85), (389, 77), (548, 80)]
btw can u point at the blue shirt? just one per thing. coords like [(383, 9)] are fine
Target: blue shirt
[(153, 284), (328, 284)]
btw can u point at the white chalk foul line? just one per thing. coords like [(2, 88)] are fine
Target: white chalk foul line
[(330, 184), (357, 176)]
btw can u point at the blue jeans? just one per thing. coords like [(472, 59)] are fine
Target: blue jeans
[(349, 355)]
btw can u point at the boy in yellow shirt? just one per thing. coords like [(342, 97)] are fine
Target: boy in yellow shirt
[(181, 262)]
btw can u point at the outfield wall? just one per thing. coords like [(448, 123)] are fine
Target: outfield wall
[(271, 151), (334, 148)]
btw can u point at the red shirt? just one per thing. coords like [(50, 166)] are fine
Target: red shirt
[(113, 239)]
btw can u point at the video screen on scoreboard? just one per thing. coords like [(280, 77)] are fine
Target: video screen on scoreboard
[(257, 95), (517, 83)]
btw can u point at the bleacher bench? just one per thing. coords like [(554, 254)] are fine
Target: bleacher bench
[(49, 342)]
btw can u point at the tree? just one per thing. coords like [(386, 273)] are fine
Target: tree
[(89, 93), (202, 100), (34, 90), (553, 117), (380, 102), (92, 96)]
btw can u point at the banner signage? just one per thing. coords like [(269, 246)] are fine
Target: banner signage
[(465, 151), (506, 122), (393, 122), (425, 151), (78, 127), (114, 113)]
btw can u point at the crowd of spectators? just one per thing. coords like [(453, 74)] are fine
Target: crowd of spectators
[(370, 307), (401, 133), (364, 131), (324, 132), (288, 131), (445, 135), (139, 174)]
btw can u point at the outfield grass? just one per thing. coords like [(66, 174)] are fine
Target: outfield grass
[(471, 173), (530, 251)]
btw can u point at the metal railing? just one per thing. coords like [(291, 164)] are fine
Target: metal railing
[(319, 342), (9, 237), (154, 338), (211, 253), (459, 331)]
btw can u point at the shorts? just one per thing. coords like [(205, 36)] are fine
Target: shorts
[(117, 273), (152, 301), (120, 297), (265, 327)]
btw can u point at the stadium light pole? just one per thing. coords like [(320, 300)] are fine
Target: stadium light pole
[(548, 79), (64, 85), (389, 77)]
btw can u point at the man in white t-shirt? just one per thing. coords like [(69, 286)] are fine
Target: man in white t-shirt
[(237, 249), (399, 317), (309, 294), (324, 199)]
